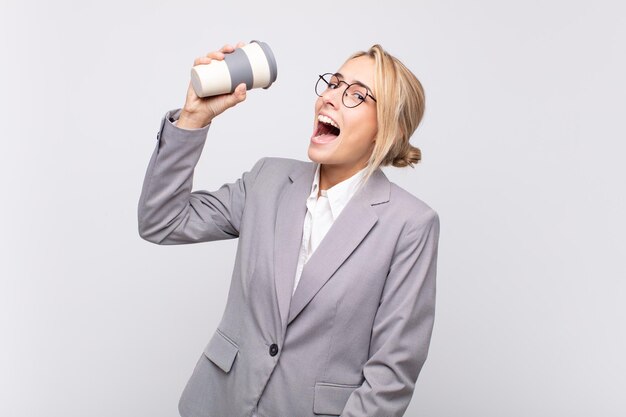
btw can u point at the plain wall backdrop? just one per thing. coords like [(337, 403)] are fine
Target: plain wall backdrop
[(523, 158)]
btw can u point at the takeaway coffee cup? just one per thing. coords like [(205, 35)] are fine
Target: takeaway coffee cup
[(253, 64)]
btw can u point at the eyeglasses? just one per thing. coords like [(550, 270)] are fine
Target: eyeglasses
[(354, 94)]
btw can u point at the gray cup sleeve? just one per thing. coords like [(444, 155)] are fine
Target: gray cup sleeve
[(240, 69)]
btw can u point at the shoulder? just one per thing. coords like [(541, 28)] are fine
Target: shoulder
[(278, 163), (275, 171), (410, 209)]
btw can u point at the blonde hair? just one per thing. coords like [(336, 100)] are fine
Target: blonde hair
[(400, 104)]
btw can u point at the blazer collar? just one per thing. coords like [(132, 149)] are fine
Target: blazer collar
[(376, 190), (348, 230)]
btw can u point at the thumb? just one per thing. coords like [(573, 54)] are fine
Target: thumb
[(239, 94)]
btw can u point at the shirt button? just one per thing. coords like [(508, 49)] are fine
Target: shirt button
[(273, 349)]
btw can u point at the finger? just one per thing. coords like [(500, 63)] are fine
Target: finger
[(227, 48), (241, 44), (239, 94), (216, 55), (202, 60)]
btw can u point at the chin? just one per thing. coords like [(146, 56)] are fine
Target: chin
[(314, 156), (324, 153)]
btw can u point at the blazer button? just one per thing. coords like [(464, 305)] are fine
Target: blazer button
[(273, 349)]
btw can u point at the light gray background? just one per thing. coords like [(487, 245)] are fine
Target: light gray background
[(523, 158)]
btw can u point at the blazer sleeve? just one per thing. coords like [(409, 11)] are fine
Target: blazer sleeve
[(402, 326), (169, 213)]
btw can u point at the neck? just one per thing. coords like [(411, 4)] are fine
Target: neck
[(331, 175)]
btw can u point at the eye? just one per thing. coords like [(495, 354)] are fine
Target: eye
[(356, 92), (333, 82), (358, 96)]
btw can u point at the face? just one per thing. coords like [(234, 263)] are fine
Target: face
[(350, 144)]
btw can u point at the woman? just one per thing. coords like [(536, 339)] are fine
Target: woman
[(331, 302)]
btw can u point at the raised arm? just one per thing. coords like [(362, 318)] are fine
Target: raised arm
[(168, 212)]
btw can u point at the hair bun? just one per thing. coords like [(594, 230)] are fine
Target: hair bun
[(412, 156)]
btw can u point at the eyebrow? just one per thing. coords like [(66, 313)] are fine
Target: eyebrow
[(340, 75)]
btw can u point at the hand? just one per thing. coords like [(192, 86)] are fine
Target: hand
[(198, 112)]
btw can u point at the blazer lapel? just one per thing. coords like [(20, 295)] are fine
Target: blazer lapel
[(288, 234), (347, 231)]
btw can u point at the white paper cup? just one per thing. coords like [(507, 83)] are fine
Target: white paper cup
[(253, 64)]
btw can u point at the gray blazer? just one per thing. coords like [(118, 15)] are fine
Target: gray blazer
[(354, 336)]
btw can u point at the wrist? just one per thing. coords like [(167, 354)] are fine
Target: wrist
[(191, 120)]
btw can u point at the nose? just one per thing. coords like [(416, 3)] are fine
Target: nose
[(332, 97)]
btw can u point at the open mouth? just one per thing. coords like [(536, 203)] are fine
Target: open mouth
[(327, 130)]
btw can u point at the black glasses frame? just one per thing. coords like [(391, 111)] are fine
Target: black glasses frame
[(343, 95)]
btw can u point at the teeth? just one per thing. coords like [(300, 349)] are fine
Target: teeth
[(327, 120)]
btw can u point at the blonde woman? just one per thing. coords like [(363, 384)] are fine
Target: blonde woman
[(331, 302)]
